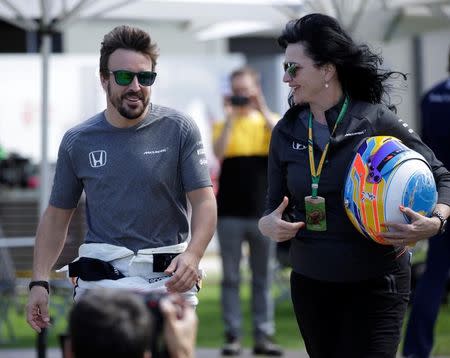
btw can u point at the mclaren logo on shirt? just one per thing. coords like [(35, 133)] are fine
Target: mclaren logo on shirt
[(352, 134), (97, 158)]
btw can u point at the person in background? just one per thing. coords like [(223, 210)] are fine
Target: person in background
[(435, 110), (111, 323), (139, 165), (349, 293), (241, 142), (3, 153)]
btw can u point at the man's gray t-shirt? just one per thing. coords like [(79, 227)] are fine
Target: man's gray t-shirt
[(135, 179)]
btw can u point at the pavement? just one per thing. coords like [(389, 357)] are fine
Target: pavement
[(200, 353)]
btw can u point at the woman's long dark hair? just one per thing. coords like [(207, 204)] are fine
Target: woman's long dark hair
[(358, 68)]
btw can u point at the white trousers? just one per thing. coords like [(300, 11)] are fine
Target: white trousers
[(138, 269)]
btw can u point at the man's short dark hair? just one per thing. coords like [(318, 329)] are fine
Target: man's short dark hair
[(109, 323), (128, 38)]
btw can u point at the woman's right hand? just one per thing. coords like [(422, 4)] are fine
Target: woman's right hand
[(274, 227)]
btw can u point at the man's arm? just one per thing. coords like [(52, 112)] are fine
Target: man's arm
[(220, 144), (203, 224), (271, 119), (261, 105), (203, 220), (50, 237)]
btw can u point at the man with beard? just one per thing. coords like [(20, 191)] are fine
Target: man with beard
[(138, 164)]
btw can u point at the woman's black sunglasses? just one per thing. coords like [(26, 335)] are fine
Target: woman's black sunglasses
[(290, 68), (124, 78)]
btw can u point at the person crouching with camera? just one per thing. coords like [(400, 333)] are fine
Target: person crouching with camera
[(118, 323)]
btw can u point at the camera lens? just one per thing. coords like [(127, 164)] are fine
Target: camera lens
[(239, 100)]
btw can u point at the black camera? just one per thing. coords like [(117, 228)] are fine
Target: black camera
[(239, 101)]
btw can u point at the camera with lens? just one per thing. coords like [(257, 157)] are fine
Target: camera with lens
[(239, 101)]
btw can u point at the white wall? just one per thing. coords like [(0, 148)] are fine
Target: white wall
[(435, 48), (398, 56), (20, 115)]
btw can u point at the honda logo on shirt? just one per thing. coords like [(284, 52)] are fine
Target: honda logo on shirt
[(97, 158), (298, 146)]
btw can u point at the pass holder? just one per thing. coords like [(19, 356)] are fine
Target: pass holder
[(315, 211), (315, 205)]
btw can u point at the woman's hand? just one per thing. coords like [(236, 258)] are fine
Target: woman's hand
[(421, 228), (274, 227)]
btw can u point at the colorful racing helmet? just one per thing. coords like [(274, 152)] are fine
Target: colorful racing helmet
[(384, 175)]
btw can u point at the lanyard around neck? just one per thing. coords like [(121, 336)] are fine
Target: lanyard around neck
[(315, 175)]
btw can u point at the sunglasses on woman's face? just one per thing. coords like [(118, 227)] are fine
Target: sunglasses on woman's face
[(124, 78), (290, 68)]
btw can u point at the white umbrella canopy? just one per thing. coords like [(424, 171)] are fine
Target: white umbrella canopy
[(210, 19), (195, 12), (404, 15)]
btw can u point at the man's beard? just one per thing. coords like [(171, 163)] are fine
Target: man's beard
[(127, 113)]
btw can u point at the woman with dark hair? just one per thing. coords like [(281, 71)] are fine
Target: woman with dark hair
[(349, 293)]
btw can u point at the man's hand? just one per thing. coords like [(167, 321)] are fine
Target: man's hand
[(180, 326), (228, 109), (421, 228), (37, 308), (258, 101), (273, 226), (184, 271)]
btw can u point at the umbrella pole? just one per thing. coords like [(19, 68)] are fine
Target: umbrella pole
[(44, 169)]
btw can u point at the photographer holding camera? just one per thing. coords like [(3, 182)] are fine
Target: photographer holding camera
[(241, 142), (118, 323)]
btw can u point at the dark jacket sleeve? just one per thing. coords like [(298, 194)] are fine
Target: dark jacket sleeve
[(276, 174), (389, 124)]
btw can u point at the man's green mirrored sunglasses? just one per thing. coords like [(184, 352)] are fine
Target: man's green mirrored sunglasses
[(124, 77)]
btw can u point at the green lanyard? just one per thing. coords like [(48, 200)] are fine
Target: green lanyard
[(315, 175)]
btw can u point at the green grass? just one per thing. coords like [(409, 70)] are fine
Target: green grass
[(211, 328), (211, 333), (442, 332), (24, 335), (442, 336)]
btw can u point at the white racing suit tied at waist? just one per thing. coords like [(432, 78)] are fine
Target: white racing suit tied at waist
[(138, 269)]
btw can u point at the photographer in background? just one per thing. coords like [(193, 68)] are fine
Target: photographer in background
[(117, 323), (241, 142)]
